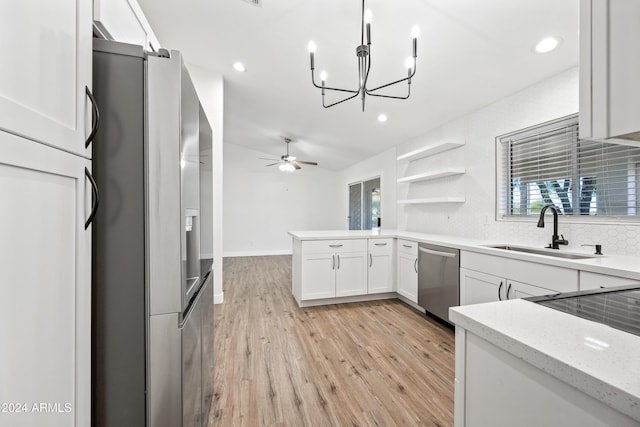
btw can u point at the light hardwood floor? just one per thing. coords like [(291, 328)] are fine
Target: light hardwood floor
[(362, 364)]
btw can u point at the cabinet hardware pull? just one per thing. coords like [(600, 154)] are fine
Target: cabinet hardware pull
[(370, 260), (508, 289), (407, 246), (95, 118), (439, 253), (338, 267), (335, 246), (96, 198), (380, 244), (499, 289), (415, 265), (333, 262)]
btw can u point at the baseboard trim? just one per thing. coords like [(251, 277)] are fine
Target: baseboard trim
[(343, 300), (411, 303), (218, 298), (256, 253)]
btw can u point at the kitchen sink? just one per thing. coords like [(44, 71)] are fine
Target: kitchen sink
[(546, 252)]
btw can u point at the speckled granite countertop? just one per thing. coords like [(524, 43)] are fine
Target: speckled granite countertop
[(601, 361)]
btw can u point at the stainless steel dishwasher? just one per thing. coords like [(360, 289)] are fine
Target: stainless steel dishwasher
[(438, 279)]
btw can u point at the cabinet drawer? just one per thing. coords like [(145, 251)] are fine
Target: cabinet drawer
[(408, 247), (380, 246), (336, 246)]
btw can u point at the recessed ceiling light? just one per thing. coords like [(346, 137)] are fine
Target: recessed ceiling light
[(239, 66), (382, 118), (547, 44)]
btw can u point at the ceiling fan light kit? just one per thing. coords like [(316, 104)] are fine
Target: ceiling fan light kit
[(363, 53), (289, 163)]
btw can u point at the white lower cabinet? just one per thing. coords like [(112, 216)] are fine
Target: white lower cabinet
[(495, 388), (407, 262), (589, 280), (45, 285), (477, 287), (332, 268), (486, 278), (381, 263), (351, 273), (318, 276)]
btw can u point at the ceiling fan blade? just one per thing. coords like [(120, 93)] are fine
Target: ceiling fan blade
[(296, 165), (303, 162), (273, 164), (264, 158)]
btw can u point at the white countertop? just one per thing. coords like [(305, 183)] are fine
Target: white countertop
[(614, 265), (601, 361)]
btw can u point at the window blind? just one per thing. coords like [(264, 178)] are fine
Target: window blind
[(549, 164)]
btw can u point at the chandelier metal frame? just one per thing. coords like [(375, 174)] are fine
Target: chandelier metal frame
[(363, 53)]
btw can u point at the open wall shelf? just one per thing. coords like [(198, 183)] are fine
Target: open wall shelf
[(431, 150), (432, 200), (441, 173)]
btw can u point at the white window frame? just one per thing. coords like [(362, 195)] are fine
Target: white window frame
[(501, 184)]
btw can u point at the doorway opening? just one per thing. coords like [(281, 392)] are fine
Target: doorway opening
[(364, 204)]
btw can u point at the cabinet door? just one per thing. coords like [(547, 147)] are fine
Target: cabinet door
[(408, 276), (380, 275), (124, 21), (380, 278), (351, 274), (47, 66), (318, 276), (476, 287), (609, 87), (517, 290), (45, 284)]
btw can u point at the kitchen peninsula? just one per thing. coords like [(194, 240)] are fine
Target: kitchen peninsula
[(317, 255), (583, 372), (523, 363)]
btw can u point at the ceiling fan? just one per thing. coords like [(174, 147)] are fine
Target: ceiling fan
[(287, 162)]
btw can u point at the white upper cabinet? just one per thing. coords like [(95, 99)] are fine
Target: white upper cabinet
[(609, 64), (124, 21), (46, 49)]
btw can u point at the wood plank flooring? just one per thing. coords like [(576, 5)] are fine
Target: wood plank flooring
[(362, 364)]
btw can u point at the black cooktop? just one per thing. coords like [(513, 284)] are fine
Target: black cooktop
[(617, 307)]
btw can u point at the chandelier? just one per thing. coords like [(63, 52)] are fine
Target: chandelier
[(363, 53)]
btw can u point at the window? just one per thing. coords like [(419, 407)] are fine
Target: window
[(364, 204), (548, 164)]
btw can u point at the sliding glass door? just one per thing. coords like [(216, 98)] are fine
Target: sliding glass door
[(364, 204)]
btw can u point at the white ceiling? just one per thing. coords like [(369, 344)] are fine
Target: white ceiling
[(470, 53)]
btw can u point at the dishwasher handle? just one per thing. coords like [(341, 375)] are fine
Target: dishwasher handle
[(439, 253)]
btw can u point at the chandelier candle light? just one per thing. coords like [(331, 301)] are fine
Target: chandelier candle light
[(363, 52)]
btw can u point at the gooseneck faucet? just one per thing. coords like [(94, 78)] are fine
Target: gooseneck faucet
[(555, 240)]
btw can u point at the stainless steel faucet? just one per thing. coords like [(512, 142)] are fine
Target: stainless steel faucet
[(555, 240)]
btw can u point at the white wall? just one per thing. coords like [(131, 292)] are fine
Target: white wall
[(209, 87), (262, 204), (382, 165), (550, 99)]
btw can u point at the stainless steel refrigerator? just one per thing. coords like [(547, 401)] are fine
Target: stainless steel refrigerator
[(152, 325)]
